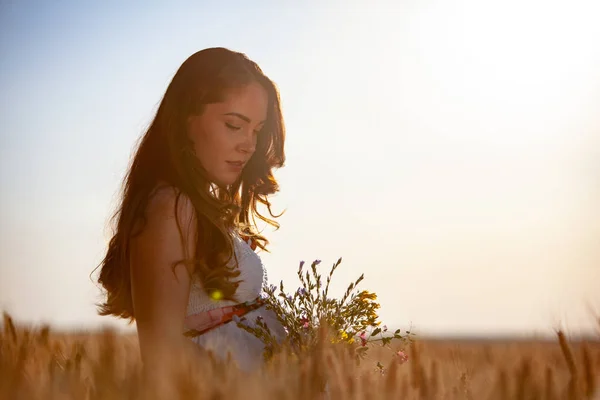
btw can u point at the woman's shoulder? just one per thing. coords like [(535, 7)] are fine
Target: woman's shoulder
[(169, 225), (167, 202)]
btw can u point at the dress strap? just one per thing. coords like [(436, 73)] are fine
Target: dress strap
[(250, 241), (205, 321)]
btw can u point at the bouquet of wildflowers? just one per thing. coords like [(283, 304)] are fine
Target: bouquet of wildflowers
[(351, 320)]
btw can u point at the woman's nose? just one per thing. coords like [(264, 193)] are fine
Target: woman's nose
[(248, 144)]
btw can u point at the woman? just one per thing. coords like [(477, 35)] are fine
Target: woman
[(182, 251)]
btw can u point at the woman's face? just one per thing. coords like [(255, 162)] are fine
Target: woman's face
[(225, 134)]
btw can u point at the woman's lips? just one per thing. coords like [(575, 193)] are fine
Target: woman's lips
[(236, 165)]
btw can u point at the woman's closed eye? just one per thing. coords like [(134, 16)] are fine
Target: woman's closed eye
[(232, 127), (237, 128)]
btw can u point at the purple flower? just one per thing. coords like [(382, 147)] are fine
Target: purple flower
[(273, 288), (290, 298), (301, 292), (264, 296), (301, 265), (317, 262)]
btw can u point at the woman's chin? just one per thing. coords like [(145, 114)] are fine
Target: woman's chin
[(226, 180)]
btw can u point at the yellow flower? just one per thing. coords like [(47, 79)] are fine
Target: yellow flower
[(344, 335), (366, 295)]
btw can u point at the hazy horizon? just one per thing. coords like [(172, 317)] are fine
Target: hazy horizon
[(450, 151)]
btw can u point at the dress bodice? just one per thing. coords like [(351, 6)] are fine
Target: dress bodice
[(253, 277), (244, 347)]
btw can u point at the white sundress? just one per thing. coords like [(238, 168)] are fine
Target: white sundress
[(245, 348)]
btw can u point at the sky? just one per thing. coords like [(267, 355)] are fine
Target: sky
[(449, 150)]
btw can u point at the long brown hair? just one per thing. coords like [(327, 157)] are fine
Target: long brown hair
[(165, 154)]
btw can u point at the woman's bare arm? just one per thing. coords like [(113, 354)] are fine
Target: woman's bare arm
[(160, 291)]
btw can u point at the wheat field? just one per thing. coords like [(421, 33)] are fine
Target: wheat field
[(37, 363)]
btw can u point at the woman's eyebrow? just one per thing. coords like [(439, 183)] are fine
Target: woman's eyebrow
[(241, 116)]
